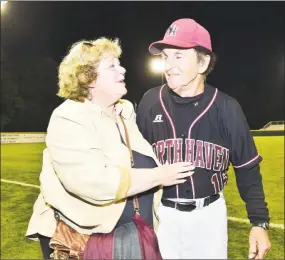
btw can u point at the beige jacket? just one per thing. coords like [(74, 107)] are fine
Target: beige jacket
[(85, 171)]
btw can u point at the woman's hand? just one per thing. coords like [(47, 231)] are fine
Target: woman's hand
[(176, 173)]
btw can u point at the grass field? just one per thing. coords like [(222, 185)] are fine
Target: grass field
[(22, 163)]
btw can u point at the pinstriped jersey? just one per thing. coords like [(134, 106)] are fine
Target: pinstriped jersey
[(209, 131)]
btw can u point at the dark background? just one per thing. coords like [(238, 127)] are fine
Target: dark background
[(248, 38)]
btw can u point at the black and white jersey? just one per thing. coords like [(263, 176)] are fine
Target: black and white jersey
[(208, 130)]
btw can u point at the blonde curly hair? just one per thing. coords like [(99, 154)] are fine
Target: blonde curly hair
[(79, 67)]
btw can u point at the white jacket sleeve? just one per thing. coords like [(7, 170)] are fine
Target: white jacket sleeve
[(80, 164)]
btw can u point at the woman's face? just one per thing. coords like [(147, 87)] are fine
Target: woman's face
[(109, 84)]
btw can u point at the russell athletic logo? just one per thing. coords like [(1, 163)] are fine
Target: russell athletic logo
[(158, 119)]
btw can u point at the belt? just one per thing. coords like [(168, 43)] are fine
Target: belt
[(188, 206)]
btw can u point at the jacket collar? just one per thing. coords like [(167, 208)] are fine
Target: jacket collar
[(121, 108)]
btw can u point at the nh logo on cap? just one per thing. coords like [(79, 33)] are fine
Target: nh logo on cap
[(171, 31)]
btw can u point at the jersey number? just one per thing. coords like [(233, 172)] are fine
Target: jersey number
[(216, 183)]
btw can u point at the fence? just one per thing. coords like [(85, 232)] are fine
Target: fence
[(272, 128), (9, 138), (274, 125)]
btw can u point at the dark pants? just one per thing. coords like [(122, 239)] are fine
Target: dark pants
[(44, 241)]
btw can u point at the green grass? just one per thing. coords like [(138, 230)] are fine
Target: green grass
[(238, 242), (16, 208), (22, 162), (272, 170)]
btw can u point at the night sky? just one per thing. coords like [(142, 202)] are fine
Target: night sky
[(248, 38)]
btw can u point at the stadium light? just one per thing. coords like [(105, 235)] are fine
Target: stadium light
[(157, 65), (3, 3)]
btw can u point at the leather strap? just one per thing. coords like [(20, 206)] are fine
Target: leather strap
[(135, 199), (128, 141)]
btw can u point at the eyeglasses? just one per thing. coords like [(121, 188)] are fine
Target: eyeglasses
[(88, 44)]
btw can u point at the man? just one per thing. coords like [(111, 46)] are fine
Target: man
[(189, 120)]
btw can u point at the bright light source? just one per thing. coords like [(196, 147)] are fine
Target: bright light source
[(157, 65), (2, 4)]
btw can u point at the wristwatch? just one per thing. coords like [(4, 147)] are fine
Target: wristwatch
[(264, 225)]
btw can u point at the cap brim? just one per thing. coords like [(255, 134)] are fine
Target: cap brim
[(156, 47)]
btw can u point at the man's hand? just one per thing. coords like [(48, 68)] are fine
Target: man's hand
[(259, 243)]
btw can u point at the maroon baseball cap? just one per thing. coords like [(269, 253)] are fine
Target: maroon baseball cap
[(183, 33)]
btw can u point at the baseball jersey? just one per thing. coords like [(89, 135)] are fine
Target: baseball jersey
[(208, 130)]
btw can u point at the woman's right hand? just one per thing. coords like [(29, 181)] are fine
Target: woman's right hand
[(176, 173)]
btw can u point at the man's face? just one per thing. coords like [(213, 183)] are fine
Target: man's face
[(181, 67)]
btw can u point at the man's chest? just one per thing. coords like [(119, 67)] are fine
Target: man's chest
[(185, 135)]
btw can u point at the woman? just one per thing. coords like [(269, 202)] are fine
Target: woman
[(87, 175)]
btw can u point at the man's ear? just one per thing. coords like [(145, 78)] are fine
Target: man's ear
[(204, 63)]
